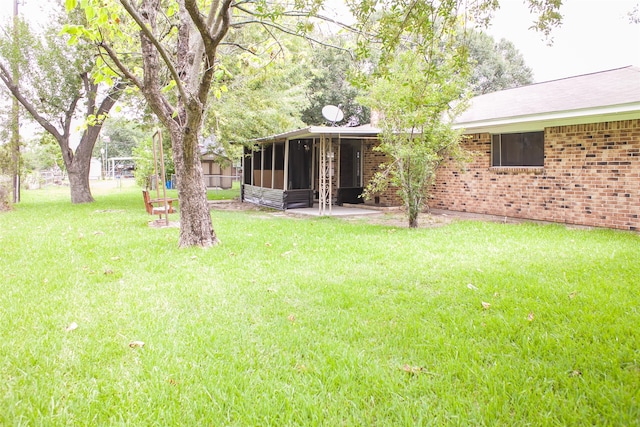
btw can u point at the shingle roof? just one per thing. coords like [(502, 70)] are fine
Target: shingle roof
[(612, 91)]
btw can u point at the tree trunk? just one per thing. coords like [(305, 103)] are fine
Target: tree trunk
[(77, 165), (78, 172), (196, 228), (414, 206), (413, 218)]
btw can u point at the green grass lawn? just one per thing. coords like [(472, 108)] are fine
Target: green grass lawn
[(322, 321), (220, 194)]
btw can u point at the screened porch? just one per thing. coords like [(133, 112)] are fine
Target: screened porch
[(314, 166)]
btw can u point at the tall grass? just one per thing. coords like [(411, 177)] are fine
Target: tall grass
[(312, 321)]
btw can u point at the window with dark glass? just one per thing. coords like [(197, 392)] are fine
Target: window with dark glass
[(518, 149)]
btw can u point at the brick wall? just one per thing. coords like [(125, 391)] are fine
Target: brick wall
[(372, 160), (591, 176)]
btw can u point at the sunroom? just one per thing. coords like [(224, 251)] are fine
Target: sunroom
[(316, 165)]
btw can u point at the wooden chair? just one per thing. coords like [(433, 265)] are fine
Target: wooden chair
[(160, 208)]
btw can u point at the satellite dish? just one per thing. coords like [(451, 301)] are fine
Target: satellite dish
[(332, 113)]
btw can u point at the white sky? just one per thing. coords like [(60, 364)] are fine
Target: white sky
[(596, 35)]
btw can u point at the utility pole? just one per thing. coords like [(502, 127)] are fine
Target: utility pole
[(15, 115)]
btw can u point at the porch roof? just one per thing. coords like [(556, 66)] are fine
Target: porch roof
[(331, 131)]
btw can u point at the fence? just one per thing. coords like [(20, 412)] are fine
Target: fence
[(224, 182)]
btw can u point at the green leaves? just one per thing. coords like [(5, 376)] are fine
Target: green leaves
[(172, 9), (79, 32), (549, 16), (218, 91), (95, 120), (102, 20), (169, 87)]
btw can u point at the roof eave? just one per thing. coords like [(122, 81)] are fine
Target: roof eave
[(313, 131), (540, 121)]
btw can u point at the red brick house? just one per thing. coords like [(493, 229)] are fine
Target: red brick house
[(566, 151)]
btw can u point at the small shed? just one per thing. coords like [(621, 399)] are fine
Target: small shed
[(218, 168), (218, 171)]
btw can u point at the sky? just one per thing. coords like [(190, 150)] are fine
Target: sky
[(596, 35)]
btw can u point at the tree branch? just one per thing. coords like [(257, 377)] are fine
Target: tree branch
[(91, 94), (153, 40), (199, 47), (223, 22), (91, 133), (239, 46), (120, 65), (291, 32), (15, 91), (210, 40)]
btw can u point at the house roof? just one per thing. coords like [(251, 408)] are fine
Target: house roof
[(602, 96)]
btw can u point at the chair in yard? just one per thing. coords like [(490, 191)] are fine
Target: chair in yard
[(159, 208)]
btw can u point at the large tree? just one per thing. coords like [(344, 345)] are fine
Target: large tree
[(178, 43), (496, 65), (54, 84), (330, 84)]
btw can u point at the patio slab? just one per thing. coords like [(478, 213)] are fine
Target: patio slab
[(339, 211)]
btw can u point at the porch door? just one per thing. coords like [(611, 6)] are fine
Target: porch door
[(299, 164), (351, 164), (350, 185)]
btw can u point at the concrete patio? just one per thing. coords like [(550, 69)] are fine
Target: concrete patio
[(338, 211)]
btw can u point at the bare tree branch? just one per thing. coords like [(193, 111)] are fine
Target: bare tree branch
[(153, 40), (239, 46), (91, 94), (5, 75), (222, 22), (199, 47), (291, 32), (211, 41)]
